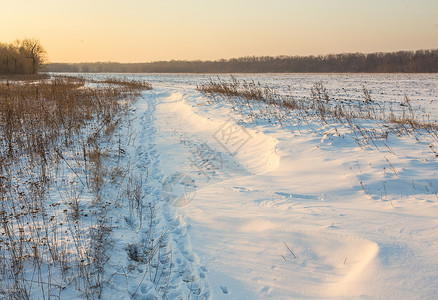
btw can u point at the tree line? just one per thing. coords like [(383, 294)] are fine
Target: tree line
[(21, 57), (421, 61)]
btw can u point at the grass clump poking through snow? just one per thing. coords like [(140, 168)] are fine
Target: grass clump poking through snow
[(55, 230), (246, 90)]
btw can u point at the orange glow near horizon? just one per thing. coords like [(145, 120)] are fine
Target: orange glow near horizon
[(142, 31)]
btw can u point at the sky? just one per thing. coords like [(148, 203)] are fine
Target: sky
[(145, 30)]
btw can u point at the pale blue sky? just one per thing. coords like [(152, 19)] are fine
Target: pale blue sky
[(135, 30)]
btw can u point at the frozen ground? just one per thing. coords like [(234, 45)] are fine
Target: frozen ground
[(251, 209)]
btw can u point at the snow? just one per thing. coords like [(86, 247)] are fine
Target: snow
[(302, 189), (252, 209)]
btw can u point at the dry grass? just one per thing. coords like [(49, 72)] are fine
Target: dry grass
[(234, 88), (53, 138), (320, 104), (37, 118), (248, 91)]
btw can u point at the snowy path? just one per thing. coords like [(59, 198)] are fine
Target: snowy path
[(258, 212), (152, 225), (186, 275)]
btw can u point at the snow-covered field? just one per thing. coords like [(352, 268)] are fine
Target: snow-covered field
[(247, 207), (280, 212)]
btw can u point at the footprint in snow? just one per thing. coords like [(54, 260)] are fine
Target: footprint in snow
[(224, 289)]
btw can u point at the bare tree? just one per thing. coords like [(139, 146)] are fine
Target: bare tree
[(33, 50)]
